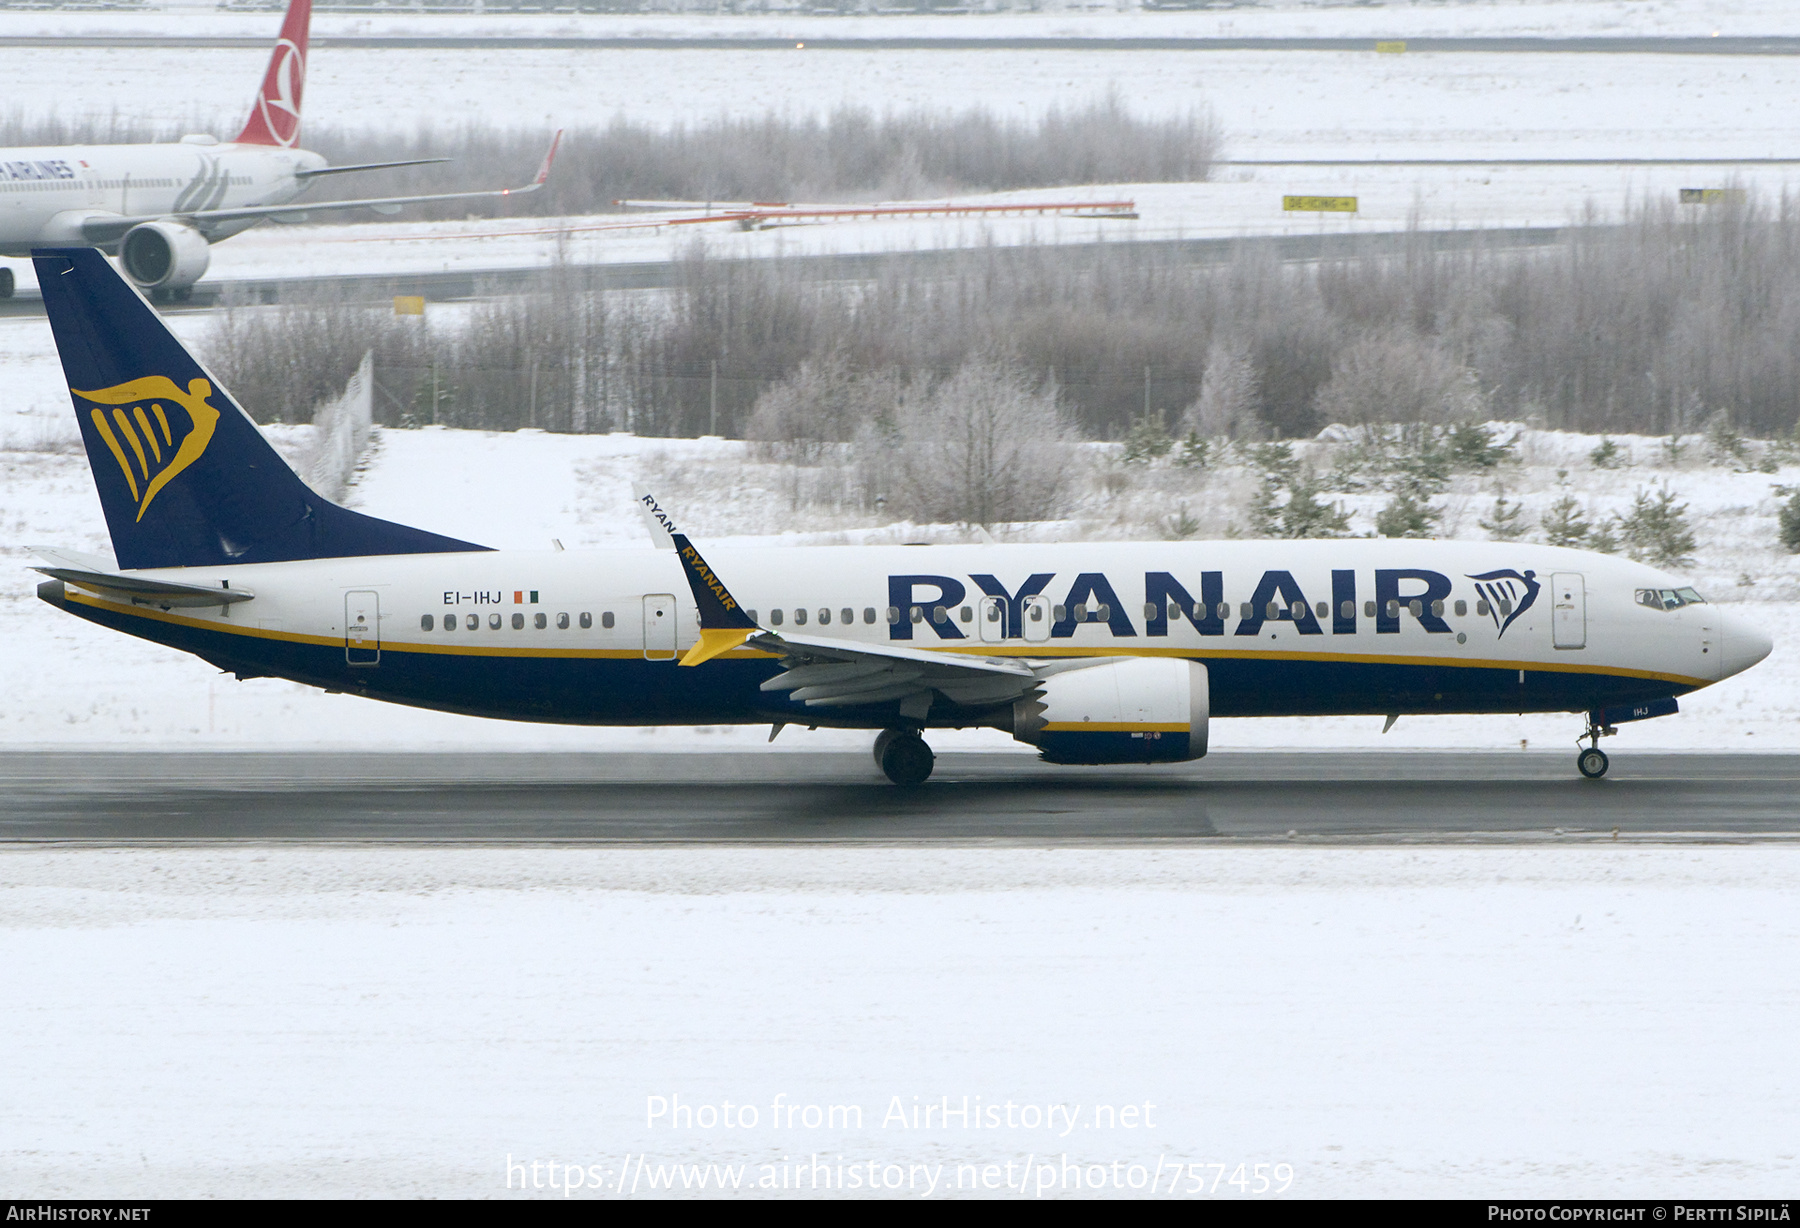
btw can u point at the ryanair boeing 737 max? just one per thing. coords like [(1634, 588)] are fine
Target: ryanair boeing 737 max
[(1103, 653)]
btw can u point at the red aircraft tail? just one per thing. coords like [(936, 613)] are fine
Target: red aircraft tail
[(275, 119)]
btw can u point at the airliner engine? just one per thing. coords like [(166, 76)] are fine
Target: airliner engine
[(1138, 710), (164, 255)]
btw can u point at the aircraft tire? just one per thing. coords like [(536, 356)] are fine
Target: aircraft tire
[(6, 283), (882, 740), (906, 759), (1592, 763)]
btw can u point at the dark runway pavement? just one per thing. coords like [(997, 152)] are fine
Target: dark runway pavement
[(797, 797)]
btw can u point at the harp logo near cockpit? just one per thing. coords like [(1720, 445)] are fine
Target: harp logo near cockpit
[(153, 429), (1508, 594)]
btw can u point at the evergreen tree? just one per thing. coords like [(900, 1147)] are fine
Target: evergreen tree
[(1408, 515), (1656, 530), (1789, 518), (1565, 524), (1503, 523)]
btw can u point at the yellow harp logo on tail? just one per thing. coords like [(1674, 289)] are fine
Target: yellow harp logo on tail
[(141, 422)]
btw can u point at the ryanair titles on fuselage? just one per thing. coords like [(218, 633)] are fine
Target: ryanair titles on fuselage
[(925, 601)]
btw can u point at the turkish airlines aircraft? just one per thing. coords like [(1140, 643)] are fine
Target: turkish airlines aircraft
[(160, 207), (1105, 653)]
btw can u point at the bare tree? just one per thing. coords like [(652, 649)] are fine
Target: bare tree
[(982, 447)]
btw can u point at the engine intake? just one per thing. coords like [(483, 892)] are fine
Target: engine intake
[(164, 255), (1140, 710)]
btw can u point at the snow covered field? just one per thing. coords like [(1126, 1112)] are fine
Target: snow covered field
[(1606, 1021), (1118, 19)]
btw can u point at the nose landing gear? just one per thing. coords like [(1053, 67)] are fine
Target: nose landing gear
[(1592, 762), (904, 757)]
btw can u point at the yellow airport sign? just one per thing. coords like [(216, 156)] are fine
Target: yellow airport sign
[(1713, 196), (1393, 47), (1319, 204), (409, 304)]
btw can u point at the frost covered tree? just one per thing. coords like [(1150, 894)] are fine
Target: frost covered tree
[(982, 447), (1395, 376), (1226, 407), (1503, 522)]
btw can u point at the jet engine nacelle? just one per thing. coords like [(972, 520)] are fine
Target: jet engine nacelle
[(1140, 710), (164, 255)]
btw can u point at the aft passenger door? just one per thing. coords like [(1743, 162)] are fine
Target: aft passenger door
[(1568, 607), (1035, 613), (659, 627), (362, 628)]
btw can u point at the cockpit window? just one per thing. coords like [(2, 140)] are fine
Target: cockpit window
[(1668, 598)]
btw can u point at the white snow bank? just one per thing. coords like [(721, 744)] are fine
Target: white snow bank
[(1599, 1022)]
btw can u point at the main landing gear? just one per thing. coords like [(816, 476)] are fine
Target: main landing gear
[(1592, 762), (904, 757)]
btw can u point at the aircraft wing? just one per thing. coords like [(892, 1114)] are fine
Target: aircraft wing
[(95, 573), (823, 672), (106, 229)]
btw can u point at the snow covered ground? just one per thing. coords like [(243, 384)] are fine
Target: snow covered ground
[(1604, 1021), (1264, 19)]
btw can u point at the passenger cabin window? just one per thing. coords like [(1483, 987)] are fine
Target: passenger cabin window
[(540, 621), (472, 621), (518, 621), (848, 616), (800, 618), (1246, 610), (606, 620), (1481, 607), (966, 614), (868, 615), (775, 617), (587, 621), (562, 622), (1369, 609), (1462, 608), (493, 622), (825, 617), (426, 623), (1347, 609)]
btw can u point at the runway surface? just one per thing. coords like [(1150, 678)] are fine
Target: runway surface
[(112, 797)]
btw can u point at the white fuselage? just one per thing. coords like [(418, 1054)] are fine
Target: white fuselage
[(47, 193), (1285, 627)]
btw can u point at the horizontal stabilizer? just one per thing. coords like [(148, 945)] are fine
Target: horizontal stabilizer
[(93, 573)]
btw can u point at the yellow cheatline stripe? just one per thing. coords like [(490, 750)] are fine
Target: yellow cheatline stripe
[(1539, 667), (112, 442), (132, 439), (143, 421), (1117, 727)]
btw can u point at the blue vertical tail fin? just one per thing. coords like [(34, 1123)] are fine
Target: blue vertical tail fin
[(185, 478)]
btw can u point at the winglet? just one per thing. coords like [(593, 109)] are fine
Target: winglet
[(723, 623)]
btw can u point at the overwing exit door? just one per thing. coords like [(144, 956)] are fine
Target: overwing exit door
[(362, 628), (1568, 607), (659, 627)]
